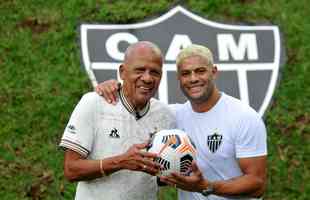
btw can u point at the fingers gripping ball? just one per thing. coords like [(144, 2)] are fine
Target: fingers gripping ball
[(175, 149)]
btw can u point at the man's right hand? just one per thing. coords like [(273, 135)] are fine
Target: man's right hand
[(137, 159), (108, 89)]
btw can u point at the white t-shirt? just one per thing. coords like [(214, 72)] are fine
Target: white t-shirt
[(97, 130), (230, 130)]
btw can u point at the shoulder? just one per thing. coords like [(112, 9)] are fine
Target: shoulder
[(92, 102), (161, 108), (239, 106), (93, 97), (183, 109), (179, 107), (161, 113), (241, 111), (157, 105), (90, 97)]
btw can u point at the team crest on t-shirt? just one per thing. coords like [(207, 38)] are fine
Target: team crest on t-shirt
[(214, 141)]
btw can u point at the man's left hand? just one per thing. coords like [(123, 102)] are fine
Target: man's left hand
[(194, 183)]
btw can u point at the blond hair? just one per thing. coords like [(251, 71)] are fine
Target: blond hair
[(195, 50)]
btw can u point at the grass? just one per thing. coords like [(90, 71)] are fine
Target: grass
[(41, 81)]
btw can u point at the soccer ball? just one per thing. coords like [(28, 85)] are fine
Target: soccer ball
[(175, 151)]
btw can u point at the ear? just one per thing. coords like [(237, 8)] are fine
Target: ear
[(214, 71), (121, 71)]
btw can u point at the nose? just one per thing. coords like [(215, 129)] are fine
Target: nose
[(147, 77), (193, 77)]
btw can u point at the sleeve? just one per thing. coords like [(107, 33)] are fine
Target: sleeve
[(79, 132), (252, 138)]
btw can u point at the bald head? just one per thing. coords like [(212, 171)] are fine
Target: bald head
[(143, 46), (141, 72)]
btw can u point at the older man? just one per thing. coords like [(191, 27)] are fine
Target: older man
[(230, 136), (104, 144)]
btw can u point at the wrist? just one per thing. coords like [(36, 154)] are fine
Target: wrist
[(110, 165), (208, 189), (117, 163)]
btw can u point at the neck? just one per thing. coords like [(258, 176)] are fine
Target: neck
[(138, 107), (133, 104), (205, 106)]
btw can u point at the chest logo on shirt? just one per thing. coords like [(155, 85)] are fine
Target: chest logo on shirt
[(214, 141), (114, 133)]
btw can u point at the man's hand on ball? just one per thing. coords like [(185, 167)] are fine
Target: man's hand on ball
[(108, 89), (194, 183), (137, 159)]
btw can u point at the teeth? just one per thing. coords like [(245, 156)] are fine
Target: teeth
[(145, 88), (196, 88)]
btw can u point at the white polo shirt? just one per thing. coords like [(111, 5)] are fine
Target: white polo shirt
[(229, 131), (97, 130)]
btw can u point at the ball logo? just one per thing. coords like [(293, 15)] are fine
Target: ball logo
[(171, 140), (175, 151), (248, 57), (165, 164), (174, 141), (186, 164)]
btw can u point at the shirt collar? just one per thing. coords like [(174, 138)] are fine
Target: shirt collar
[(138, 114)]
